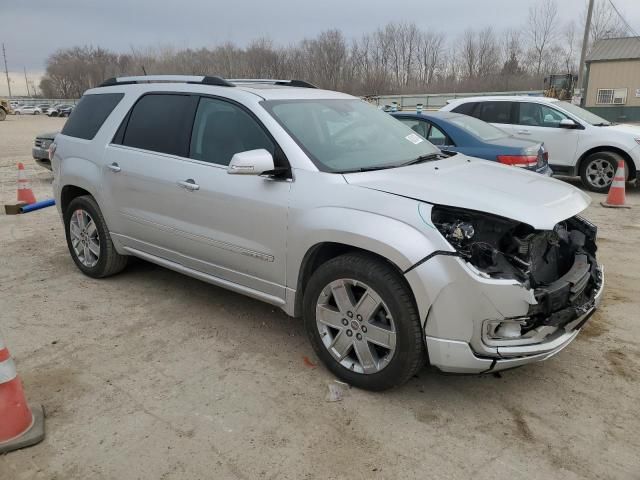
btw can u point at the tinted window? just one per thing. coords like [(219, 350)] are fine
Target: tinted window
[(161, 123), (465, 108), (222, 129), (495, 112), (89, 114), (417, 126), (537, 115)]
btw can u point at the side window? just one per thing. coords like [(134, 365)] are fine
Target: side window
[(438, 137), (90, 114), (537, 115), (161, 123), (222, 129), (467, 109), (495, 112), (417, 126)]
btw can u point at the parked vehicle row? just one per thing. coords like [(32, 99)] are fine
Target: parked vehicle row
[(59, 110), (392, 250)]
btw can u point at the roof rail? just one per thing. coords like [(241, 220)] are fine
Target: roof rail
[(202, 79), (271, 81)]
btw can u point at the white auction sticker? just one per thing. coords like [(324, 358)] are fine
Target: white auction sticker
[(415, 139)]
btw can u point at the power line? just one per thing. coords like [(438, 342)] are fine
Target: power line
[(629, 27)]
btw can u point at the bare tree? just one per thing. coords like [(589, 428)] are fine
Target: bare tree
[(542, 30)]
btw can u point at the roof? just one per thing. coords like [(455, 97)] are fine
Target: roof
[(427, 114), (626, 48), (264, 88), (503, 98)]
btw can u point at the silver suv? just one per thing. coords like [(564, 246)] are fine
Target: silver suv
[(392, 251)]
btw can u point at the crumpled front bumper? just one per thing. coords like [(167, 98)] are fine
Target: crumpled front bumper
[(457, 302)]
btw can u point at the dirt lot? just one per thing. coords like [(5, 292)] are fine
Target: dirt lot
[(153, 375)]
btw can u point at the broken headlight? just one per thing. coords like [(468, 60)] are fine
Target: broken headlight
[(505, 248)]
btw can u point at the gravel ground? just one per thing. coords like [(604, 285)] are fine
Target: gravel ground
[(150, 374)]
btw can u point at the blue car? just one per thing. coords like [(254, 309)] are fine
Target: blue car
[(460, 133)]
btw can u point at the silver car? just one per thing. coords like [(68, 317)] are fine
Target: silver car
[(393, 252)]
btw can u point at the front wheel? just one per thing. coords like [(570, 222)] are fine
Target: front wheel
[(598, 169), (89, 241), (363, 323)]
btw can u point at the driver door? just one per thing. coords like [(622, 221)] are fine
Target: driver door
[(539, 122)]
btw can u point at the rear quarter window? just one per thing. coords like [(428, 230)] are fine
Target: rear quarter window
[(90, 113)]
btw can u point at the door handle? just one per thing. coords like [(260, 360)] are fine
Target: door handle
[(189, 184), (114, 167), (523, 132)]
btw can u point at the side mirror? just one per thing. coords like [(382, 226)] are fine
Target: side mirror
[(567, 123), (251, 162)]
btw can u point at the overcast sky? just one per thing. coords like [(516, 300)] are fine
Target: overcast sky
[(32, 29)]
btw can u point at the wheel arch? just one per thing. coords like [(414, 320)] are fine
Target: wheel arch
[(68, 193), (632, 171), (322, 252)]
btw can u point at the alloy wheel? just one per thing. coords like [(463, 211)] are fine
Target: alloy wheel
[(84, 238), (356, 326), (600, 173)]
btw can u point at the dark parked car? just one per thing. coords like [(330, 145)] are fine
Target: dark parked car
[(475, 138), (40, 149), (60, 110)]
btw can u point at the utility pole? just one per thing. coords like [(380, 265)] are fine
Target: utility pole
[(26, 81), (585, 41), (6, 70)]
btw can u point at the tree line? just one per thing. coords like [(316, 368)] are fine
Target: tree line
[(395, 58)]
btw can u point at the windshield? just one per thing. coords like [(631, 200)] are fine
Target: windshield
[(482, 130), (583, 114), (343, 135)]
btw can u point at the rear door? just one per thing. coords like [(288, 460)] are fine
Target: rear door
[(141, 168)]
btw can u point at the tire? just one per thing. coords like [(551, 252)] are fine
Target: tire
[(366, 277), (107, 262), (17, 113), (3, 114), (598, 169)]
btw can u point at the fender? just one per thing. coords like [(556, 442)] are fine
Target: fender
[(400, 243)]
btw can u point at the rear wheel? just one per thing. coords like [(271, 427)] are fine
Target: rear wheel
[(363, 323), (3, 114), (598, 169), (89, 241)]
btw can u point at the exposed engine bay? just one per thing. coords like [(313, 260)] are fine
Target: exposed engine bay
[(559, 265)]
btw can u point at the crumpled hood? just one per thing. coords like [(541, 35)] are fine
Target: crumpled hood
[(481, 185)]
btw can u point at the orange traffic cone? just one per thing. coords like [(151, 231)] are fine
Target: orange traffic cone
[(20, 426), (616, 195), (25, 194)]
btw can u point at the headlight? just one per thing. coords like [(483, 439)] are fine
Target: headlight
[(637, 139)]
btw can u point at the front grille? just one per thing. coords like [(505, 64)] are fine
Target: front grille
[(42, 143)]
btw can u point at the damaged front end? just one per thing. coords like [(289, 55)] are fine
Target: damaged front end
[(558, 265)]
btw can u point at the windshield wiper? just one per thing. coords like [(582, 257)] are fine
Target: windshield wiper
[(603, 124), (424, 158)]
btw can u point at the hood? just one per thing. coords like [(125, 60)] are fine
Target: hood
[(48, 136), (480, 185), (625, 128)]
